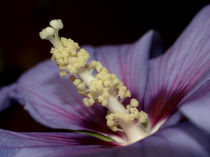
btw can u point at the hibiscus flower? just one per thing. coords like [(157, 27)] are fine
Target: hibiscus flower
[(171, 91)]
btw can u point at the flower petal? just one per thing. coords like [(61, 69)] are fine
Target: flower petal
[(175, 74), (4, 97), (197, 107), (54, 101), (181, 140), (130, 62), (48, 144)]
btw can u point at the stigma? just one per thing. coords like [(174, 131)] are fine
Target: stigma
[(100, 88)]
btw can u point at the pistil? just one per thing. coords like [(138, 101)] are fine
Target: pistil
[(102, 88)]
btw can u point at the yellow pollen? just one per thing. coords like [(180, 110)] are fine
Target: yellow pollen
[(102, 88), (143, 117), (134, 103)]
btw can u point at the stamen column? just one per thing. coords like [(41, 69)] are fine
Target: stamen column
[(103, 87), (132, 131)]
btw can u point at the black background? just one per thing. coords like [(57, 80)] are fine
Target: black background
[(94, 22)]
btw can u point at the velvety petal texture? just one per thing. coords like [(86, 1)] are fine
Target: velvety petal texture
[(197, 107), (182, 140), (130, 61), (4, 97), (54, 101), (14, 144), (181, 70)]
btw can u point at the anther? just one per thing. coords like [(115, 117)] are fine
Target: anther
[(56, 24), (47, 33)]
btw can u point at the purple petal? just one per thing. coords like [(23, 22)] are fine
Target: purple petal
[(173, 120), (4, 97), (179, 72), (54, 101), (183, 140), (130, 62), (50, 144), (197, 107)]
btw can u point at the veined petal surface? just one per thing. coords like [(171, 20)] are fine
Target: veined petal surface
[(54, 101), (130, 61), (13, 144), (197, 107), (180, 71)]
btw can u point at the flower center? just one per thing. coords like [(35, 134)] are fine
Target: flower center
[(101, 88)]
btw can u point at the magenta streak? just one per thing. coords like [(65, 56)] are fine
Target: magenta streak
[(129, 68), (157, 82), (74, 97), (37, 146), (197, 94), (77, 120), (170, 68), (196, 75), (150, 89), (191, 74), (200, 71), (90, 111), (61, 114), (159, 79), (189, 50), (47, 101), (61, 139), (69, 116), (177, 54), (164, 79), (192, 81), (152, 84), (200, 60), (194, 64), (122, 71), (67, 102), (169, 78), (156, 111), (155, 77), (81, 112), (32, 138)]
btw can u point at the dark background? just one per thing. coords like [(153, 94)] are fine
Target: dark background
[(94, 22)]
